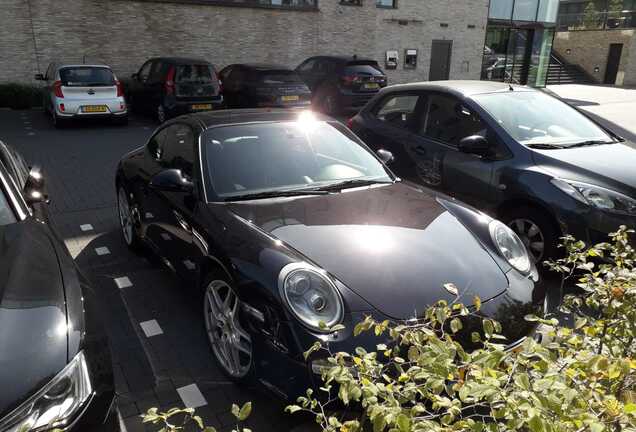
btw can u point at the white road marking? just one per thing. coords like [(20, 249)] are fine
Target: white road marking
[(149, 215), (189, 265), (123, 282), (166, 237), (86, 227), (191, 396), (31, 133), (102, 251), (151, 328)]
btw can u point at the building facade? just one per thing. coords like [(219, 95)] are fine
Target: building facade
[(600, 37), (414, 40), (519, 41)]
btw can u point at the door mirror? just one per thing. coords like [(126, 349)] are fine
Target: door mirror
[(475, 144), (385, 156), (39, 77), (171, 180), (34, 189)]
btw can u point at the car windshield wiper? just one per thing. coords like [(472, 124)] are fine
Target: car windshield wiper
[(590, 143), (351, 183), (277, 194), (546, 146)]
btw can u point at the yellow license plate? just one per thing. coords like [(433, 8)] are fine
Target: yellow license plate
[(371, 86), (201, 107), (289, 98), (94, 108)]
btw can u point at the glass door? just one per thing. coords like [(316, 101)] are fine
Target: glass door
[(517, 59)]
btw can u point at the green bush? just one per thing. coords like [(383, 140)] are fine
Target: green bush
[(20, 96)]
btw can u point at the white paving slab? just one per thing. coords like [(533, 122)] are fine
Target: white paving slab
[(86, 227), (191, 396), (102, 251), (123, 282), (151, 328)]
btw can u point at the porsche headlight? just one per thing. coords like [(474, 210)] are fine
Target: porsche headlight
[(56, 404), (510, 246), (596, 196), (310, 295)]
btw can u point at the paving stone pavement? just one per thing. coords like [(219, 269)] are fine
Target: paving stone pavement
[(79, 164)]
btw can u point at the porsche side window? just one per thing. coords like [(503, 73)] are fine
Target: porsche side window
[(398, 110), (179, 149), (156, 144), (449, 121)]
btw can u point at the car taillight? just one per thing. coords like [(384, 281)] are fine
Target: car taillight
[(350, 123), (169, 84), (350, 79), (57, 89), (120, 88)]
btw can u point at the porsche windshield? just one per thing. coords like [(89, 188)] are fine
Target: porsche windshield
[(247, 159)]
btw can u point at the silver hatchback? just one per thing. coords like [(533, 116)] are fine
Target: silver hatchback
[(82, 91)]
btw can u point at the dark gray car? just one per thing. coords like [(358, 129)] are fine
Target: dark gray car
[(529, 159)]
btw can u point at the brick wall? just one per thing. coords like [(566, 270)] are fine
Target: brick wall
[(590, 50), (123, 33)]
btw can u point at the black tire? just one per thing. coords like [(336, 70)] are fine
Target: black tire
[(522, 219), (58, 122), (131, 238), (217, 328)]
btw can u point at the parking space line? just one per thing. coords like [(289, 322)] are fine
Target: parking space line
[(191, 396), (86, 227), (102, 251), (166, 237), (149, 215), (151, 328), (189, 264), (123, 282)]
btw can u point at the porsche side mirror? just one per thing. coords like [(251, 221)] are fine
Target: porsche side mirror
[(39, 77), (476, 145), (34, 189), (385, 156), (171, 180)]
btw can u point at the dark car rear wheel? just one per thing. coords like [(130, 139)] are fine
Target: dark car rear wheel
[(536, 230), (231, 344), (126, 213)]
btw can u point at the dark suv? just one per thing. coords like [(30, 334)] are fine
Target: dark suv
[(170, 86), (263, 85), (341, 83)]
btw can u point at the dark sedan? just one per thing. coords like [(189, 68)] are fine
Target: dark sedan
[(55, 366), (263, 85), (283, 220), (523, 156)]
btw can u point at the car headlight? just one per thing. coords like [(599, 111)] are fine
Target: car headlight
[(310, 295), (596, 196), (56, 404), (510, 246)]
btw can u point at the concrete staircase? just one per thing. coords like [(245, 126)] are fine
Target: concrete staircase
[(562, 72)]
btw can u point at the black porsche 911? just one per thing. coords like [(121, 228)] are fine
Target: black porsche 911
[(55, 365), (286, 220)]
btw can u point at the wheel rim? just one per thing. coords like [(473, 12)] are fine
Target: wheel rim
[(161, 114), (231, 344), (125, 218), (531, 236)]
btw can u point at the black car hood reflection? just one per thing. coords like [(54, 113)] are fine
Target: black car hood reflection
[(615, 161), (33, 337), (393, 245)]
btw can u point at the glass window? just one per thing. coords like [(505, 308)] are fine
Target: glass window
[(82, 76), (534, 118), (500, 9), (525, 10), (253, 158), (398, 110), (386, 3), (548, 10), (447, 120), (351, 2), (179, 149), (275, 77), (540, 59), (307, 66), (6, 214), (197, 73), (156, 144)]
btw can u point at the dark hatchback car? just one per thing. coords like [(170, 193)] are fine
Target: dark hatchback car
[(282, 220), (341, 83), (55, 366), (525, 157), (170, 86), (263, 85)]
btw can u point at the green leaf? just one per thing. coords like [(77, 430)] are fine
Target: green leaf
[(337, 327), (489, 328), (536, 424), (209, 429), (315, 347), (630, 408), (403, 423), (456, 325), (235, 410), (245, 411), (199, 421), (477, 303), (292, 408)]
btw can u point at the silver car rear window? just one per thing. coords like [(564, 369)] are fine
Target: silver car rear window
[(81, 76)]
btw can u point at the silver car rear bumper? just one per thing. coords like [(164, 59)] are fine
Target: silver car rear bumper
[(76, 107)]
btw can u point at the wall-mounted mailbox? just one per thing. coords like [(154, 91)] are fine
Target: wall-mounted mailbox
[(391, 59), (410, 59)]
